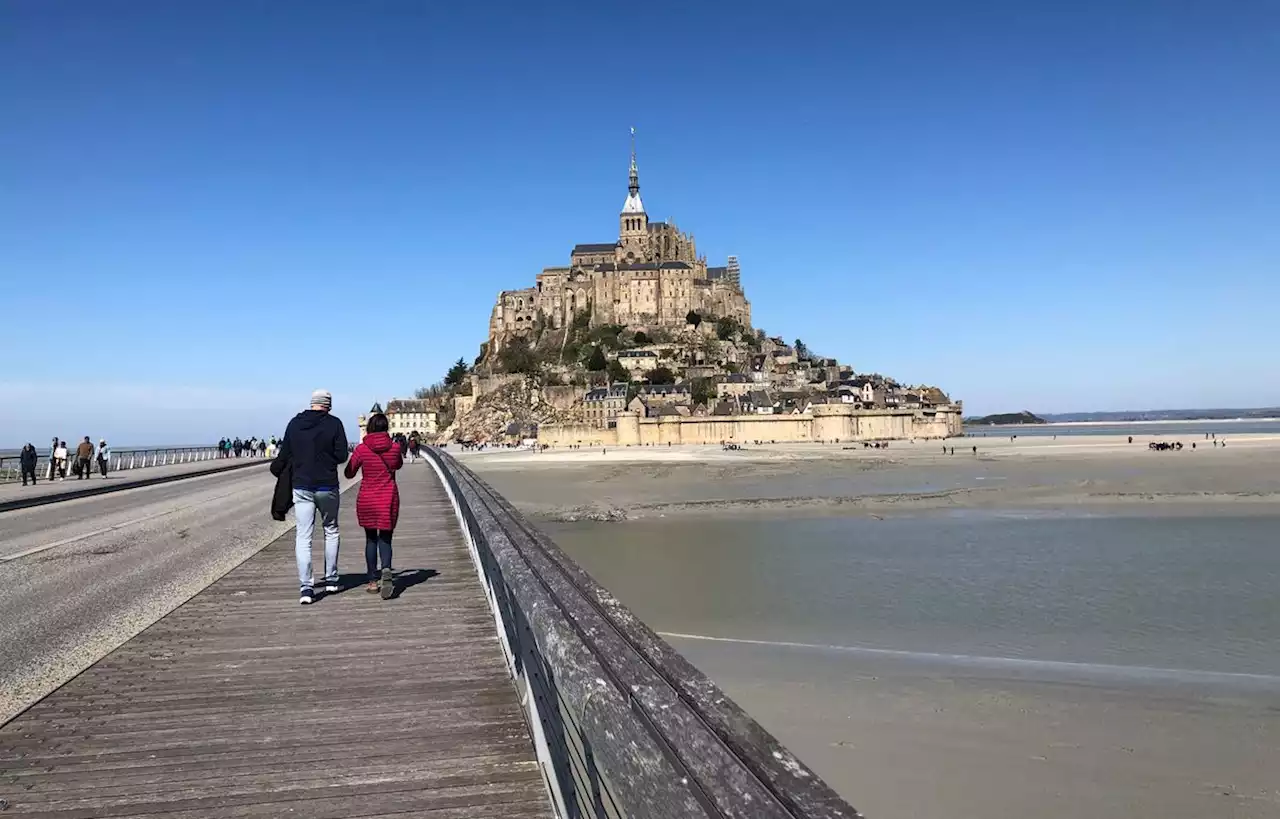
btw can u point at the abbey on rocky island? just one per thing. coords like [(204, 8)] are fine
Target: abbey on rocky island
[(652, 276)]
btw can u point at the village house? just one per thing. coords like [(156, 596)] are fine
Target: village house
[(601, 406), (666, 394), (638, 362), (408, 415), (759, 402), (731, 386)]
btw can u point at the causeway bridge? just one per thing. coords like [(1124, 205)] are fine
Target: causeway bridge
[(501, 681)]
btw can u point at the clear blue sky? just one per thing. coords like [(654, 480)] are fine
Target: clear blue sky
[(208, 209)]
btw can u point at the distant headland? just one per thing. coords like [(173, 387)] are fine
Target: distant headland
[(1002, 419)]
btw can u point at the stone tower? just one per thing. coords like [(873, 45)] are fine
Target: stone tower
[(633, 222)]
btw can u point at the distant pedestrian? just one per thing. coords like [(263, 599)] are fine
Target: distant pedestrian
[(60, 458), (262, 449), (975, 450), (104, 457), (238, 446), (53, 459), (378, 504), (27, 462), (314, 444), (84, 459)]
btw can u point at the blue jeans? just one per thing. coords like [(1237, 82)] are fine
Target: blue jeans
[(305, 504), (377, 543)]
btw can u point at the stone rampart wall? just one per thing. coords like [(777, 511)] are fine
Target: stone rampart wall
[(827, 423)]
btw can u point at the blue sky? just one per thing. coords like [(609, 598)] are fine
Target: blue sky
[(1064, 206)]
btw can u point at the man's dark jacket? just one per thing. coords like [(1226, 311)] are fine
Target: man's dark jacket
[(27, 458), (314, 445), (282, 497)]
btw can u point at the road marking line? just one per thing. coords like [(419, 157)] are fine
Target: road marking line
[(37, 549)]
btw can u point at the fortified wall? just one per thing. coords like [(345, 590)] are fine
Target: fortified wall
[(825, 422)]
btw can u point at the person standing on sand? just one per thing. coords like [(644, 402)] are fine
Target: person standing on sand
[(378, 504), (314, 444)]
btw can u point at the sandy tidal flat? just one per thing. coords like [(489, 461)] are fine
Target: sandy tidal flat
[(1048, 628)]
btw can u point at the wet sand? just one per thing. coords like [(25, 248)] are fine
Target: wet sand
[(903, 739), (815, 479), (912, 734)]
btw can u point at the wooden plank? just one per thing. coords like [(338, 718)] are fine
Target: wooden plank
[(241, 703)]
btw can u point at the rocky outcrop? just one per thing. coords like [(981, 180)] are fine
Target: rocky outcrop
[(514, 410)]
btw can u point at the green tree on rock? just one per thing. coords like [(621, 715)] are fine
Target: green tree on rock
[(727, 328), (597, 362), (516, 357), (457, 373), (661, 375), (802, 352), (693, 318), (617, 372), (704, 392)]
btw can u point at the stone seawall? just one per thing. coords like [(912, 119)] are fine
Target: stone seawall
[(826, 422)]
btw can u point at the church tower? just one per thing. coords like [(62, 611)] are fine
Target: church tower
[(633, 222)]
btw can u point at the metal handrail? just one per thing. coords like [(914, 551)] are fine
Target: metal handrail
[(622, 724), (119, 459)]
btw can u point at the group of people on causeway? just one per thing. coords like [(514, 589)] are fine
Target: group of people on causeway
[(83, 459), (248, 447), (306, 469)]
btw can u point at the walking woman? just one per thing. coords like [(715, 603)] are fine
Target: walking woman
[(60, 458), (378, 504), (104, 457)]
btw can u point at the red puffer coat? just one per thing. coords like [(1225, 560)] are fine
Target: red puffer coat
[(378, 504)]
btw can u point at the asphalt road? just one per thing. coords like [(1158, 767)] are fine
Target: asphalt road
[(14, 492), (80, 577)]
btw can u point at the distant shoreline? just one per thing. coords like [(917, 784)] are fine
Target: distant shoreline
[(1149, 421)]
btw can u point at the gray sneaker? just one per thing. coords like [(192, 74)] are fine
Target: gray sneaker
[(388, 585)]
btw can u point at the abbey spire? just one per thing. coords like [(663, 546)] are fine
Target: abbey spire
[(633, 203)]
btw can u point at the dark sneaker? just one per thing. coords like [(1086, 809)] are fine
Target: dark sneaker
[(306, 598), (332, 587), (388, 585)]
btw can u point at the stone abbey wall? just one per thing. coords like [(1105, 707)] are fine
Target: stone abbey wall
[(826, 422)]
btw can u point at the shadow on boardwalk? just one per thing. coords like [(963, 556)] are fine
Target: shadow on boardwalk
[(241, 703)]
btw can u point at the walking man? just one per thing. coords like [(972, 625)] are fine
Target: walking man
[(84, 459), (27, 460), (314, 444)]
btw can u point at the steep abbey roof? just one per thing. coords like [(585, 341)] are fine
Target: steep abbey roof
[(633, 204), (597, 247)]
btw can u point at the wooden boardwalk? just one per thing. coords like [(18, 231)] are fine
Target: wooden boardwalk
[(241, 703)]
